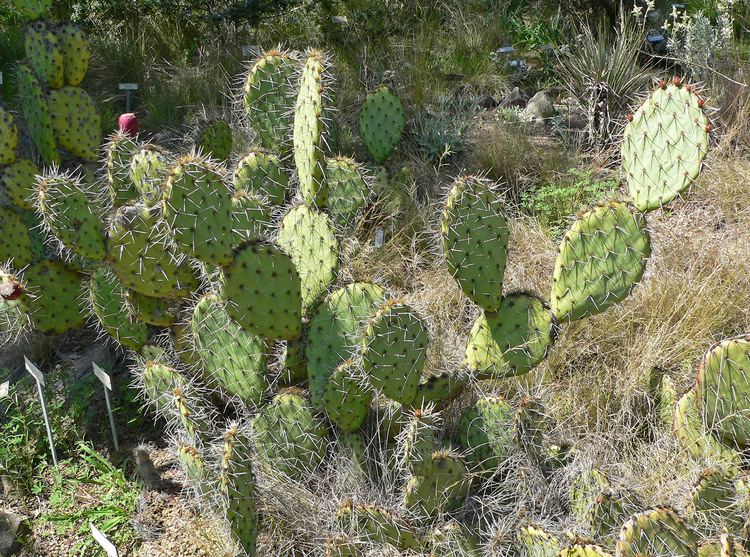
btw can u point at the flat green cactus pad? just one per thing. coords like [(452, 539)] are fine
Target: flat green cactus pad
[(44, 54), (475, 240), (76, 122), (601, 258), (37, 114), (15, 241), (215, 139), (533, 541), (347, 397), (239, 490), (664, 145), (107, 298), (159, 312), (584, 550), (381, 123), (263, 291), (75, 50), (487, 434), (260, 173), (251, 218), (8, 137), (347, 190), (512, 340), (120, 150), (378, 525), (658, 532), (444, 489), (149, 169), (56, 297), (18, 182)]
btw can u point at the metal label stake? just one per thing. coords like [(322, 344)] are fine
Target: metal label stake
[(103, 376), (128, 88), (108, 547), (39, 377)]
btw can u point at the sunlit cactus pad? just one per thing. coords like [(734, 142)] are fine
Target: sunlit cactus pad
[(18, 182), (44, 54), (664, 145), (658, 532), (107, 298), (57, 296), (76, 122), (36, 111), (260, 173)]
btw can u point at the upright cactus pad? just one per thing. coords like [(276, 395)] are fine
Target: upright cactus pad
[(260, 173), (44, 54), (347, 397), (232, 358), (18, 182), (149, 169), (71, 215), (215, 139), (120, 150), (107, 298), (76, 122), (239, 491), (56, 291), (659, 532), (37, 114), (487, 434), (664, 145), (8, 137), (601, 258), (378, 525), (198, 211), (381, 123), (194, 466), (440, 389), (475, 240), (32, 9), (263, 291), (608, 511), (418, 440), (307, 235), (347, 190), (584, 550), (336, 330), (533, 541), (15, 242), (159, 382), (722, 388), (76, 52), (268, 98), (289, 438), (721, 499), (443, 489), (453, 539), (583, 490), (394, 351), (143, 257), (512, 340), (159, 312), (251, 219), (309, 130)]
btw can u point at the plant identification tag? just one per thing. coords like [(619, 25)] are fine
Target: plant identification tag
[(106, 380), (4, 389), (39, 377), (108, 547)]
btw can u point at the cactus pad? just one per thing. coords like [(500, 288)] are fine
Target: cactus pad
[(535, 542), (583, 490), (18, 182), (584, 550), (238, 484), (107, 298), (608, 511), (664, 145), (394, 351), (56, 291), (721, 499), (148, 172), (440, 389), (381, 123), (263, 291), (215, 139), (347, 190), (120, 150), (487, 434), (378, 525), (159, 312), (44, 54), (475, 240), (443, 489), (659, 532), (36, 111), (601, 258), (307, 235), (76, 122), (32, 9), (512, 340), (8, 137), (347, 397), (261, 173), (251, 219), (75, 50), (15, 242)]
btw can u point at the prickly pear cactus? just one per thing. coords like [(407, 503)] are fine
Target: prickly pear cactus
[(215, 140), (268, 98), (721, 387), (378, 525), (44, 54), (601, 258), (289, 438), (419, 439), (475, 240), (443, 489), (584, 550), (583, 490), (336, 330), (70, 214), (56, 292), (453, 539), (149, 169), (664, 145), (440, 389), (260, 173), (513, 340), (196, 470), (381, 123), (18, 182), (308, 237), (120, 150), (347, 190), (76, 122), (347, 397), (533, 541), (232, 358), (107, 299), (159, 312), (608, 511), (37, 114), (658, 532), (394, 351), (32, 9), (143, 257), (198, 211), (251, 219), (75, 51), (309, 130), (15, 242), (8, 137), (238, 486), (487, 434), (720, 499), (263, 291)]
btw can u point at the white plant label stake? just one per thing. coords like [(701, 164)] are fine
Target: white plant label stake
[(39, 377), (103, 376), (4, 389), (108, 547)]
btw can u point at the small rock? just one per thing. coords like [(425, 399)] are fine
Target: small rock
[(12, 527), (540, 106), (486, 102), (516, 98)]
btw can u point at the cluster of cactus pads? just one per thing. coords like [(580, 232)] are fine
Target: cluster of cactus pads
[(274, 360)]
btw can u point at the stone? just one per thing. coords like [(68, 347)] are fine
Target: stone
[(486, 102), (515, 99), (13, 527), (540, 106)]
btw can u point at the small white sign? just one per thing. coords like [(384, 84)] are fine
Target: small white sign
[(379, 238), (128, 86), (34, 371), (1, 78), (107, 545), (4, 389), (102, 375)]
